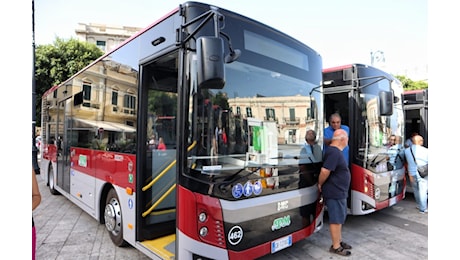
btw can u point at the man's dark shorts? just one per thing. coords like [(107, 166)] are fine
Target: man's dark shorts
[(337, 210)]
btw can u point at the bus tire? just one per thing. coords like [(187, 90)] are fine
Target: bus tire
[(113, 218), (51, 181)]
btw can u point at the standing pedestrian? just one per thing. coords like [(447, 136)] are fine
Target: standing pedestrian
[(152, 143), (419, 184), (309, 164), (335, 122), (309, 157), (396, 152), (36, 199), (408, 141), (311, 151), (333, 183), (161, 144)]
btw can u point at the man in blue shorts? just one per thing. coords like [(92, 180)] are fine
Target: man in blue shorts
[(333, 183)]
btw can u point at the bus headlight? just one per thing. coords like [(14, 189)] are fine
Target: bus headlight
[(203, 231), (377, 193), (202, 217)]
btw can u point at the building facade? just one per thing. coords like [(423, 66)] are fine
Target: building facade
[(106, 37)]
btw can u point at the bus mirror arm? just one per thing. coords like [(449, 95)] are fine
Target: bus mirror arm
[(313, 102), (210, 50), (315, 89), (386, 98), (234, 54)]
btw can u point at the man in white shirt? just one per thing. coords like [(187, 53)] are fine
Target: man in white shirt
[(417, 155)]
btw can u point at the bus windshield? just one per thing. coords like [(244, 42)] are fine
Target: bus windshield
[(384, 134), (255, 126)]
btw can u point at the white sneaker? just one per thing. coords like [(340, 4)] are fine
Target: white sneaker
[(423, 212)]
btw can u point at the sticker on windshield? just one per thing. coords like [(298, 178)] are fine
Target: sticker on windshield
[(237, 191), (257, 187), (247, 189)]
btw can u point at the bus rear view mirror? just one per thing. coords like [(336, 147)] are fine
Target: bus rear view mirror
[(386, 103), (210, 53)]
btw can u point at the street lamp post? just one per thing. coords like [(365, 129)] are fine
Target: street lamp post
[(34, 97)]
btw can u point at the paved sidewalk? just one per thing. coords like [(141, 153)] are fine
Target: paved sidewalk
[(66, 232)]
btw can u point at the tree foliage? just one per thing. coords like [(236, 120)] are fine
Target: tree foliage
[(409, 84), (54, 63), (221, 100), (162, 103)]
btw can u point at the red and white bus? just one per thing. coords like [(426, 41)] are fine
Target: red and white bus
[(370, 103), (196, 73)]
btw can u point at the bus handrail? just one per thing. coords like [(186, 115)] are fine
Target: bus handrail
[(145, 213), (165, 170)]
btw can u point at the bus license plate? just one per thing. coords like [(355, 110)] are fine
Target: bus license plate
[(281, 243)]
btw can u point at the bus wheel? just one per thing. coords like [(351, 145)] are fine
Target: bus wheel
[(51, 182), (113, 218)]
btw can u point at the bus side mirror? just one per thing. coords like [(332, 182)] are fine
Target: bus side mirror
[(386, 103), (210, 53), (312, 108)]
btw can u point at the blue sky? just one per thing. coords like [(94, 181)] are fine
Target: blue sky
[(341, 31)]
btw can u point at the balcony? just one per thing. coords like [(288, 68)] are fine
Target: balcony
[(271, 119), (291, 121)]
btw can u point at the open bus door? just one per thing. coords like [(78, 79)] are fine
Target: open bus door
[(416, 113), (62, 157)]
